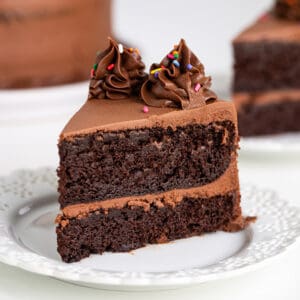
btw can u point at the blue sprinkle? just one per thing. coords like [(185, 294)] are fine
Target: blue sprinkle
[(176, 63), (156, 74), (189, 67)]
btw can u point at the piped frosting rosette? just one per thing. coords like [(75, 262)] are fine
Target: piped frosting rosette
[(178, 81), (117, 74)]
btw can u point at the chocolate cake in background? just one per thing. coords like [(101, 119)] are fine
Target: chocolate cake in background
[(267, 72), (147, 159), (50, 42), (287, 9)]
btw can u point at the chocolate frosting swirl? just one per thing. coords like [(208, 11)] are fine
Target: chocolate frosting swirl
[(117, 75), (179, 82), (287, 9)]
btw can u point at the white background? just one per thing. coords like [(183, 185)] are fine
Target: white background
[(30, 122), (155, 26)]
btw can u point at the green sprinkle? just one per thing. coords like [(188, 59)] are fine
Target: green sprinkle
[(176, 55), (95, 67)]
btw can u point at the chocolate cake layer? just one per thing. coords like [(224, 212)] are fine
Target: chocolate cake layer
[(270, 118), (265, 65), (267, 56), (132, 227), (106, 165)]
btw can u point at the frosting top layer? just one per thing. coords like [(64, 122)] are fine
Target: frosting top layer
[(178, 81), (117, 74), (287, 9), (270, 28), (128, 113)]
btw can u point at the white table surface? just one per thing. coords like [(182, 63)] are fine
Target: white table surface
[(28, 140)]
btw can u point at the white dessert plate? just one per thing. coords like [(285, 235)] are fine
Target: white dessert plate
[(277, 143), (28, 206)]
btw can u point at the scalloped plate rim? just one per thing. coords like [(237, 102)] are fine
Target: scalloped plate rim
[(111, 281)]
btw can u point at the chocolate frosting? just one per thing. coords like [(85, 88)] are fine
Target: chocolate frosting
[(178, 81), (267, 97), (117, 74), (287, 9), (105, 115)]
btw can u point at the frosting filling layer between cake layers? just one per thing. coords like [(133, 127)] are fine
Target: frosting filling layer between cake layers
[(267, 97)]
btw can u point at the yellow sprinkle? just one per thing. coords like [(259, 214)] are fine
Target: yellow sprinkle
[(137, 50), (175, 52), (131, 49), (155, 70)]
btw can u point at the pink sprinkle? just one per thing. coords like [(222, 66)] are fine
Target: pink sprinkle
[(197, 87), (264, 17), (145, 109), (92, 73), (171, 56)]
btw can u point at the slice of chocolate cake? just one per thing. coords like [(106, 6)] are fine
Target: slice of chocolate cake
[(267, 72), (142, 171)]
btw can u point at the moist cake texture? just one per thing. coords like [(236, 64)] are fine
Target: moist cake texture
[(129, 177), (267, 62)]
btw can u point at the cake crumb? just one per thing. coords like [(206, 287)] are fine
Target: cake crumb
[(64, 223), (239, 223)]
